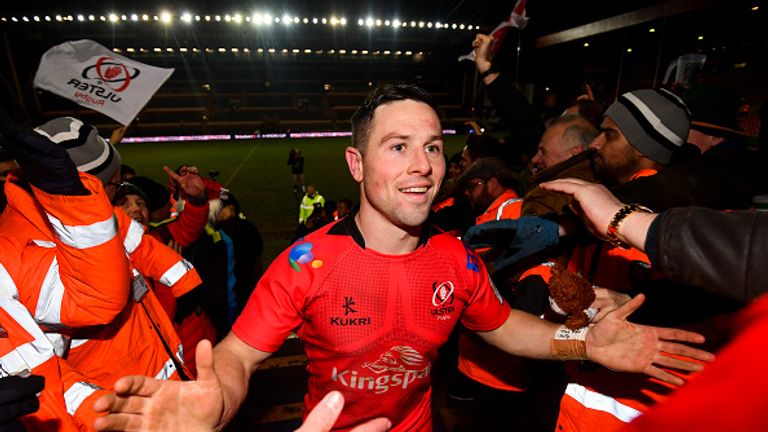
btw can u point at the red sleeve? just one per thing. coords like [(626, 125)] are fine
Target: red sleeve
[(190, 223), (486, 309), (275, 307)]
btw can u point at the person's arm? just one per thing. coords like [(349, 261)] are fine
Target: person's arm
[(206, 404), (482, 45), (721, 252), (191, 222), (612, 342)]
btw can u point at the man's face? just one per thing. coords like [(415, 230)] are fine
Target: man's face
[(311, 191), (403, 164), (110, 187), (476, 190), (551, 149), (615, 158), (342, 209), (135, 207)]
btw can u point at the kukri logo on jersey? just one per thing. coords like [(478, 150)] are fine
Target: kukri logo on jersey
[(398, 367)]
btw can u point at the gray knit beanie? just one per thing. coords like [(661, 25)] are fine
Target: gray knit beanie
[(655, 122), (90, 152)]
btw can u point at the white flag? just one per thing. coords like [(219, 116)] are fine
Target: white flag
[(96, 78)]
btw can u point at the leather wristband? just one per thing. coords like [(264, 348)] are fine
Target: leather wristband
[(569, 344), (618, 219)]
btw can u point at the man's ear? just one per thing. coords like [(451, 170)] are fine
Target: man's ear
[(575, 150), (354, 163)]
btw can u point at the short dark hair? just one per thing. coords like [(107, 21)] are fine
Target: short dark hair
[(382, 95)]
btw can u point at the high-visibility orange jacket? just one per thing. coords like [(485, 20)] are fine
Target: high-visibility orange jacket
[(138, 337), (479, 361), (597, 398), (508, 205), (65, 255), (141, 340)]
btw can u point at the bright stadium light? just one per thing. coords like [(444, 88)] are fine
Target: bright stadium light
[(79, 18), (58, 18), (378, 23), (123, 17), (186, 17), (217, 17), (396, 23), (271, 50), (227, 18), (305, 20), (314, 20), (36, 18), (165, 17), (369, 22), (296, 20), (461, 26), (260, 50), (324, 20), (286, 20), (130, 50), (47, 18), (360, 21), (237, 18), (113, 18), (145, 17), (134, 17), (421, 24), (90, 18), (343, 21), (334, 21)]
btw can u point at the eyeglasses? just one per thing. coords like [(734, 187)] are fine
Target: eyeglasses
[(471, 185)]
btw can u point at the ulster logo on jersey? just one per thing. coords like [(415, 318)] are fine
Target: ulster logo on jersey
[(442, 300), (398, 367)]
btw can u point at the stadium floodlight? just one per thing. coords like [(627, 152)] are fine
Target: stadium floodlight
[(307, 51), (260, 50), (186, 17), (90, 18), (369, 22), (284, 51), (296, 20), (222, 50), (207, 17), (130, 50), (353, 52), (182, 49), (277, 19), (157, 50), (429, 25), (364, 52), (453, 26), (58, 18), (169, 49), (334, 21), (271, 50), (227, 18), (330, 51), (267, 19), (387, 23), (378, 23), (145, 17), (36, 18), (246, 50), (314, 20), (305, 20), (461, 26), (396, 23), (117, 50), (324, 20), (237, 18), (413, 23), (113, 18), (287, 20), (408, 52), (134, 17), (342, 51), (165, 17), (79, 18), (421, 24), (234, 50), (197, 18), (194, 50), (343, 21), (360, 21), (47, 18), (469, 27), (124, 17), (295, 50), (217, 17)]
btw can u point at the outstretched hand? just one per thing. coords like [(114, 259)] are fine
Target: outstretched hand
[(621, 345), (594, 202), (145, 404), (189, 183), (325, 413)]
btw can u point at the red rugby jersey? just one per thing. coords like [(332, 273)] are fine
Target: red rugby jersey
[(372, 323)]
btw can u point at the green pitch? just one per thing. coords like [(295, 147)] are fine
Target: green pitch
[(257, 173)]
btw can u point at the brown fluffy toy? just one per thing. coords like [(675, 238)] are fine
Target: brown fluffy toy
[(571, 295)]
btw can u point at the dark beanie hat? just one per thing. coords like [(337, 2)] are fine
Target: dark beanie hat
[(90, 152), (157, 195), (655, 122), (124, 189)]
